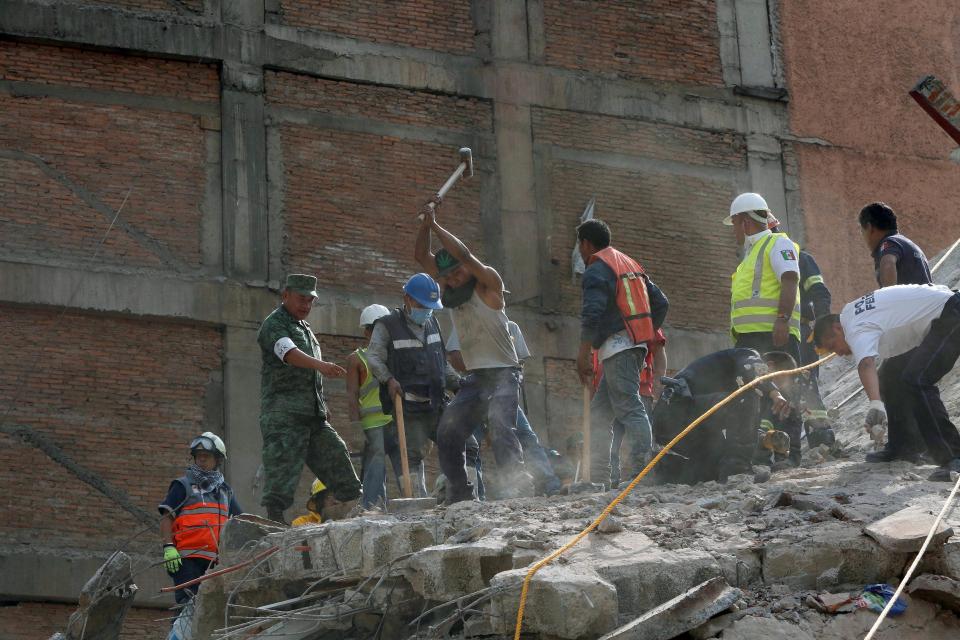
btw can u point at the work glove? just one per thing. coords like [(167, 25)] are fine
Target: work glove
[(171, 558), (876, 414)]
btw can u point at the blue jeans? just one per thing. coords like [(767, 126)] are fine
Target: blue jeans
[(490, 396), (617, 405), (615, 470), (379, 442)]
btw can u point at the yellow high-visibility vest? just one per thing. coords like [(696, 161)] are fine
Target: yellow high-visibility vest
[(755, 292), (371, 411)]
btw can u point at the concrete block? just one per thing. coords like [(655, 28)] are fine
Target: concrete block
[(905, 530), (331, 547), (448, 571), (940, 589), (240, 537), (554, 593), (644, 574), (386, 540), (104, 601), (681, 614), (805, 554)]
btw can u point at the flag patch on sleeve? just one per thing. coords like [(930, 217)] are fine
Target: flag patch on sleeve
[(787, 254)]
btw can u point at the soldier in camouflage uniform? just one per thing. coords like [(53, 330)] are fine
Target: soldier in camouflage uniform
[(293, 416)]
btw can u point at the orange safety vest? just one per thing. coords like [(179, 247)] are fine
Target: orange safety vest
[(633, 300), (196, 529)]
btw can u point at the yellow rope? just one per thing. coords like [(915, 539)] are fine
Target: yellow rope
[(623, 494)]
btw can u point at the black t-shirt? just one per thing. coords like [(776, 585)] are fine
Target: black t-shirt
[(912, 266), (718, 372)]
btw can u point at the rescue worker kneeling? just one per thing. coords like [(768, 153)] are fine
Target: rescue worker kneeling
[(193, 514), (322, 506), (724, 444)]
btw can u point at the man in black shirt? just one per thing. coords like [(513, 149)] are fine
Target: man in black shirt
[(896, 260)]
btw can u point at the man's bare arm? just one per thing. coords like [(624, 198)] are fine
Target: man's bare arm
[(867, 368), (421, 250), (888, 270), (788, 293), (354, 367)]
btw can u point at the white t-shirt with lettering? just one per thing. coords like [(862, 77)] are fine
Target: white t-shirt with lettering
[(892, 320)]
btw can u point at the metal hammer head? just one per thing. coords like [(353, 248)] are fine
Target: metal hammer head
[(467, 156)]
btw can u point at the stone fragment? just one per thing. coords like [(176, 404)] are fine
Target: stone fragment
[(411, 505), (674, 617), (940, 589), (610, 524), (905, 530), (712, 627), (449, 571), (554, 593)]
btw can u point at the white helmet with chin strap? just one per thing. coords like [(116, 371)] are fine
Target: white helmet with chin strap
[(752, 204), (372, 313), (209, 441)]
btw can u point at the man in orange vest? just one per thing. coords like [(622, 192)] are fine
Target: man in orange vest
[(620, 314), (194, 512)]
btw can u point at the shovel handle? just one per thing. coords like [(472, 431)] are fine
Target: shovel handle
[(402, 437)]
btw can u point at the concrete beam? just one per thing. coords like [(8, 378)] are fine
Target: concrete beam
[(753, 38), (241, 380)]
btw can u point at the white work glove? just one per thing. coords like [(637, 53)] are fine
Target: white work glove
[(876, 414)]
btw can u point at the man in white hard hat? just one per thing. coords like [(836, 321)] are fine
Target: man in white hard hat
[(193, 514), (765, 293), (366, 413)]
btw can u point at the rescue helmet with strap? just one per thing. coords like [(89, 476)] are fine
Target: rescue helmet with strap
[(749, 203), (210, 442)]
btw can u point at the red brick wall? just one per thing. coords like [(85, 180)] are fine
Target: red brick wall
[(38, 621), (122, 397), (670, 223), (441, 25), (656, 39), (848, 72), (69, 153), (350, 198)]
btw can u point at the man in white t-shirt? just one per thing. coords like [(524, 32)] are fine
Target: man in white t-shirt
[(923, 320)]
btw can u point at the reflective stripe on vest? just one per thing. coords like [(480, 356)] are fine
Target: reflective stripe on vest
[(755, 293), (633, 299), (371, 412), (196, 529)]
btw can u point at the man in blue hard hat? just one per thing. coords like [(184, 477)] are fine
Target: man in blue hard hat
[(407, 356)]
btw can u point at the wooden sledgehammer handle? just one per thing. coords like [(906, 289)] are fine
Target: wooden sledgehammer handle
[(402, 437), (585, 450)]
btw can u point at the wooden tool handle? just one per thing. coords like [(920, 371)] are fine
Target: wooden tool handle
[(402, 437)]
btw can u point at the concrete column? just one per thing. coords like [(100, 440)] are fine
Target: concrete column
[(241, 384), (509, 29), (753, 37)]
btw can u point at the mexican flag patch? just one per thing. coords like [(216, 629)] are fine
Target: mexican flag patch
[(788, 254)]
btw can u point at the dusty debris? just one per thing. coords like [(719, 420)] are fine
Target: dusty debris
[(674, 617)]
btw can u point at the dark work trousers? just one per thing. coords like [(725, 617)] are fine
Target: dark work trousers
[(618, 433), (191, 569), (763, 342), (489, 396), (931, 360), (808, 354), (903, 433)]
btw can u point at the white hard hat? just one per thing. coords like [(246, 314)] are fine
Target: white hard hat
[(373, 313), (209, 441), (745, 202)]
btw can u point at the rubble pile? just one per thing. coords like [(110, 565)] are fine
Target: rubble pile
[(786, 557)]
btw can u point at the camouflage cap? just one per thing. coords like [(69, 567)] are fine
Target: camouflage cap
[(302, 284), (445, 262)]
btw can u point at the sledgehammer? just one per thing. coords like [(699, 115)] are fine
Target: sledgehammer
[(465, 167)]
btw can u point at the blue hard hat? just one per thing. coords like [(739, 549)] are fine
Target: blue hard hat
[(425, 290)]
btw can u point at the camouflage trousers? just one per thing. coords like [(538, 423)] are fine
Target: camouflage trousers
[(289, 441)]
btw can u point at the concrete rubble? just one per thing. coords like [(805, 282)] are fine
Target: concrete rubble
[(104, 602), (789, 549)]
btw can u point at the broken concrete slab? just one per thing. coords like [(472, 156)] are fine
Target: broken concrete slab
[(240, 535), (554, 592), (805, 557), (674, 617), (940, 589), (714, 626), (449, 571), (104, 601), (905, 530), (386, 540)]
